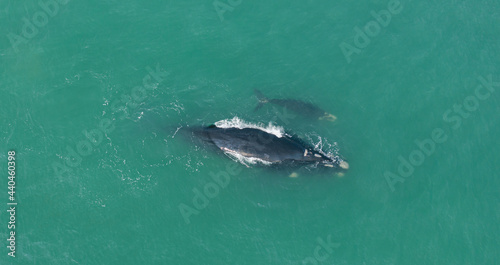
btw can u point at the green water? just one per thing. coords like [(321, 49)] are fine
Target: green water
[(120, 201)]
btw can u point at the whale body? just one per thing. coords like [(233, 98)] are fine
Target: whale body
[(298, 106), (267, 147)]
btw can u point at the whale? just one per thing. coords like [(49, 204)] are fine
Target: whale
[(254, 143), (300, 107)]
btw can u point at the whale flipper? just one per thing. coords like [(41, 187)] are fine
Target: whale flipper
[(262, 99)]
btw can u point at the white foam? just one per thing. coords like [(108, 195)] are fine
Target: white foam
[(325, 148), (240, 124)]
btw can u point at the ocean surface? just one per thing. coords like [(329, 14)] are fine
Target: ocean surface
[(95, 96)]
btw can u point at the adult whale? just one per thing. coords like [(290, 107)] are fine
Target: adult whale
[(298, 106), (254, 143)]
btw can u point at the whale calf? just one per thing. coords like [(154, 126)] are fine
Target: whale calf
[(268, 148), (298, 106)]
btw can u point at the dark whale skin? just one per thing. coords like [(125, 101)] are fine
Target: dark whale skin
[(300, 107), (255, 143)]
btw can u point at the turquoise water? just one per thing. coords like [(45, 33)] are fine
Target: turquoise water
[(128, 74)]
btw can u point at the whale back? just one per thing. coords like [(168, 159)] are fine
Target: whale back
[(255, 143)]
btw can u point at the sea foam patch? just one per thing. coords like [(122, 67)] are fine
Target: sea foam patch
[(241, 124)]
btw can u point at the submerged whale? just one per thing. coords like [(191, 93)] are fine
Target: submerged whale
[(300, 107), (268, 148)]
